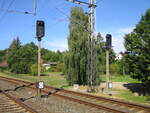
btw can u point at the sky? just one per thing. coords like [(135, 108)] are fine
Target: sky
[(116, 17)]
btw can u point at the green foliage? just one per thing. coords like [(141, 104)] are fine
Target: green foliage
[(75, 60), (138, 45), (20, 57), (13, 55), (51, 56), (34, 69), (115, 68), (148, 98), (3, 54), (2, 69), (101, 52), (57, 68)]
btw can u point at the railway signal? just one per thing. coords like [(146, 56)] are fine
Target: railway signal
[(40, 32), (40, 29), (108, 47), (108, 41)]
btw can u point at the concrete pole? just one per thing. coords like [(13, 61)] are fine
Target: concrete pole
[(39, 67), (107, 69)]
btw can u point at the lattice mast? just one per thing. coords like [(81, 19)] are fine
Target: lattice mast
[(92, 53)]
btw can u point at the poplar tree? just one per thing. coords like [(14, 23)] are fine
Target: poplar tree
[(76, 57)]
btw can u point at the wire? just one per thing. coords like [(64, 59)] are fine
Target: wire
[(61, 4), (75, 21), (14, 11), (3, 16), (98, 1)]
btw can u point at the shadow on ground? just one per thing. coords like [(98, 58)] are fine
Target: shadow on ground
[(139, 88)]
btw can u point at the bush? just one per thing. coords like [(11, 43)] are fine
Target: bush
[(57, 68), (3, 69), (148, 98), (102, 69), (34, 69), (115, 68)]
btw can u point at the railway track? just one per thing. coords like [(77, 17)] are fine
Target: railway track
[(103, 103), (9, 104)]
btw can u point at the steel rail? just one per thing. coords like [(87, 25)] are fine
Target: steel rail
[(19, 102), (66, 97), (116, 101)]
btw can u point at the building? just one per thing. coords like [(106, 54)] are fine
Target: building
[(119, 56), (49, 65)]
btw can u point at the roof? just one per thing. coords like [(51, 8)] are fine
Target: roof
[(3, 64)]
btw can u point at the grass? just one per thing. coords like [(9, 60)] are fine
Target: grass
[(57, 80), (128, 95), (120, 78), (52, 79)]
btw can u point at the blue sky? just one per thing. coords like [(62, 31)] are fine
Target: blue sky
[(116, 17)]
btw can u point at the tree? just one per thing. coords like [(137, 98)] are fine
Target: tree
[(13, 56), (137, 43), (28, 56), (51, 56), (3, 54), (20, 57), (76, 58), (101, 53)]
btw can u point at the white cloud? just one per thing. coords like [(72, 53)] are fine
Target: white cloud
[(117, 40), (118, 43), (117, 37), (57, 45), (125, 30)]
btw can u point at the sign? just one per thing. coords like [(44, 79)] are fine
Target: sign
[(41, 85), (110, 85), (75, 86)]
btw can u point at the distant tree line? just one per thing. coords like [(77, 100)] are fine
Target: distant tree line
[(22, 59)]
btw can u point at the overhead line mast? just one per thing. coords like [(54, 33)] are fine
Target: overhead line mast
[(92, 66), (35, 7)]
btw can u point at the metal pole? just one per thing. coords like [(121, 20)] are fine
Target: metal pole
[(107, 69), (91, 43), (39, 67), (35, 7)]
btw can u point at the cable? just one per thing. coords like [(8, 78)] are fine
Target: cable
[(14, 11), (61, 4), (75, 21), (98, 1), (3, 16)]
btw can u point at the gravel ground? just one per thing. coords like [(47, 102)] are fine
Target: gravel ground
[(50, 104)]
